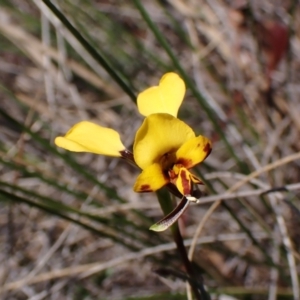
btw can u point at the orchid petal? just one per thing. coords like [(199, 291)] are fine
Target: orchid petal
[(193, 151), (184, 182), (195, 179), (164, 98), (150, 180), (159, 135), (89, 137)]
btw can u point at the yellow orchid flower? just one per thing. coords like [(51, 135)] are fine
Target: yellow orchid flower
[(165, 148)]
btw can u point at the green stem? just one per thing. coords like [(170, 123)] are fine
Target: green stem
[(166, 204), (187, 264)]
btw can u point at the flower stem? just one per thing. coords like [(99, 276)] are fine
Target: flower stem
[(196, 280), (198, 289), (187, 264)]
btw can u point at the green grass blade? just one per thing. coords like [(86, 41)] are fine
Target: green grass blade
[(95, 54)]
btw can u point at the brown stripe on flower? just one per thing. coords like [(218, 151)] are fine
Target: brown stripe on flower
[(171, 175), (185, 162), (145, 188), (207, 149), (186, 184)]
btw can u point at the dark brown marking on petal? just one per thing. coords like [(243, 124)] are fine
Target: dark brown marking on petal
[(145, 188), (166, 175), (185, 182), (172, 175), (184, 161), (207, 149)]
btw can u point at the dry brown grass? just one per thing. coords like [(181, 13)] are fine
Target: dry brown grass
[(239, 63)]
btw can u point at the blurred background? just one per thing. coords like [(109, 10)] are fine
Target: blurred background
[(70, 225)]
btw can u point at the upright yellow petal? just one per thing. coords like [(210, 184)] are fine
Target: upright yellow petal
[(159, 135), (165, 98), (193, 151), (150, 180), (89, 137)]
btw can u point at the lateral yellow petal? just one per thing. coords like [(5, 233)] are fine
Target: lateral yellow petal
[(195, 179), (164, 98), (158, 136), (150, 180), (193, 151), (89, 137)]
